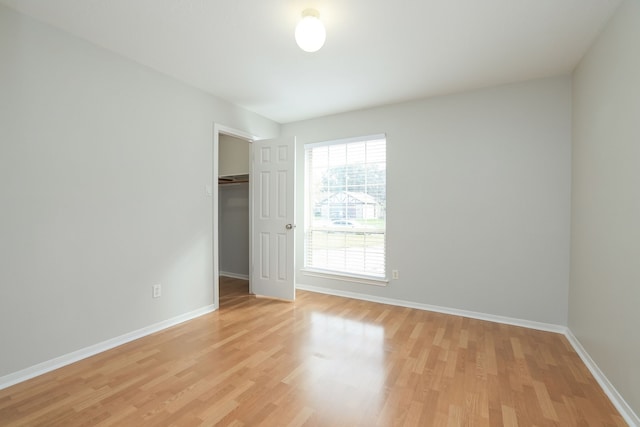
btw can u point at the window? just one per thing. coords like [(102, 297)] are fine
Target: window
[(345, 197)]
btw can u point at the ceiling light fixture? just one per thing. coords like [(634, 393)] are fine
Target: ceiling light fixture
[(310, 32)]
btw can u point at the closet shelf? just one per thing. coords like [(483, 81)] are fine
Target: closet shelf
[(233, 179)]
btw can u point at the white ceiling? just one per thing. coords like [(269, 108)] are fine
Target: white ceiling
[(377, 51)]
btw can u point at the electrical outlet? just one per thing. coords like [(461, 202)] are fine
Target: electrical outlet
[(395, 274), (156, 291)]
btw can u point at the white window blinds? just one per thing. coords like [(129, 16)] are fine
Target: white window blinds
[(345, 207)]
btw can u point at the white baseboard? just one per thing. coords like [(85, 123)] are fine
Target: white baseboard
[(427, 307), (234, 275), (67, 359), (616, 399)]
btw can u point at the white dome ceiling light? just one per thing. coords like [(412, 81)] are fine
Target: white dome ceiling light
[(310, 32)]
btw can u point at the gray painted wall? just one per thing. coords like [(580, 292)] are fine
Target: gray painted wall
[(478, 198), (605, 242), (234, 229), (234, 156), (103, 167)]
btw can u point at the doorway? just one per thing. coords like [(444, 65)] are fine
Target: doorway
[(232, 208), (233, 217), (272, 231)]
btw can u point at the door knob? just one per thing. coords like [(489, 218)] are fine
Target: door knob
[(289, 226)]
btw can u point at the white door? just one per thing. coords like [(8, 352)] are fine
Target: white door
[(272, 237)]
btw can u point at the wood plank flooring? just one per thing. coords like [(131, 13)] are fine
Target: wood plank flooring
[(321, 361)]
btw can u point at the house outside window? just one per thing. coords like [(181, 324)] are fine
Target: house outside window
[(345, 198)]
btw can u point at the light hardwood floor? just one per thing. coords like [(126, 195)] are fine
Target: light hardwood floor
[(321, 361)]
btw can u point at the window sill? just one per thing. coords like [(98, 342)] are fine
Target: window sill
[(346, 277)]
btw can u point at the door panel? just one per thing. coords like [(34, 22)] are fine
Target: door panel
[(273, 224)]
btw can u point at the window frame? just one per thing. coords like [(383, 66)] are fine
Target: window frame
[(308, 209)]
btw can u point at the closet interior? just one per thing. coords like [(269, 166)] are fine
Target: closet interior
[(233, 213)]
